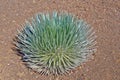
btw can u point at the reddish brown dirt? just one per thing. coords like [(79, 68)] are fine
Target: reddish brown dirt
[(103, 15)]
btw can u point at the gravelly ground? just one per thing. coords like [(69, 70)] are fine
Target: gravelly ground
[(103, 15)]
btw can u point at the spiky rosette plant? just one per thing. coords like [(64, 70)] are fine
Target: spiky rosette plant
[(55, 43)]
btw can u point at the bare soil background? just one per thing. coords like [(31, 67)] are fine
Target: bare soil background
[(103, 15)]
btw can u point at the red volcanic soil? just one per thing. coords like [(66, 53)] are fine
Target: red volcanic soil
[(103, 15)]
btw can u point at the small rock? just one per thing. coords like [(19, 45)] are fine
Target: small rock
[(118, 61), (34, 1), (80, 67), (20, 74), (8, 64), (57, 78), (13, 21)]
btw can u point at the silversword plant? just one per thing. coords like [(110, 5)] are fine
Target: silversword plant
[(55, 43)]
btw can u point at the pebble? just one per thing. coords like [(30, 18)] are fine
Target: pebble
[(36, 76), (20, 74), (13, 21), (34, 1), (3, 43), (56, 78), (87, 70), (118, 61), (80, 67), (104, 58)]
